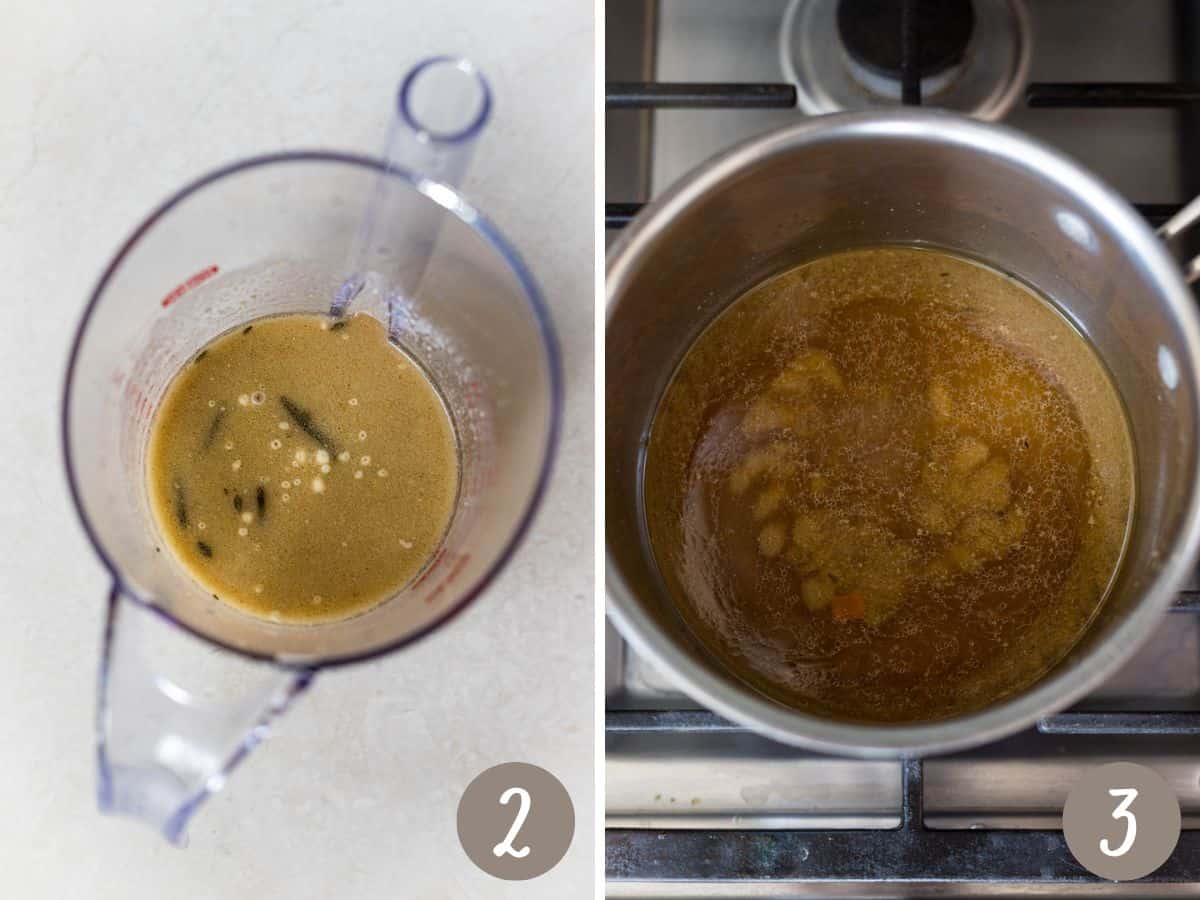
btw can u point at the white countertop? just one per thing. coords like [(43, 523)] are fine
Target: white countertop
[(107, 108)]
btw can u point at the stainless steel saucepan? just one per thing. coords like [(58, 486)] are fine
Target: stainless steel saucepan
[(911, 177)]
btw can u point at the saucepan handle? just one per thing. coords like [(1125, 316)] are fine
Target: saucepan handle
[(1177, 225), (176, 714)]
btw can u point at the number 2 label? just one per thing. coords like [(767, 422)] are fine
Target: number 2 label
[(528, 803), (1122, 812), (505, 846)]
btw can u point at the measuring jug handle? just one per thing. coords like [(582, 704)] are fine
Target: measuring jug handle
[(176, 714)]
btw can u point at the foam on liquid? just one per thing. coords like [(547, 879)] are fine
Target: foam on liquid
[(900, 427)]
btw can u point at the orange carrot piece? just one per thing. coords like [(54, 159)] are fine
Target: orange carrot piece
[(849, 608)]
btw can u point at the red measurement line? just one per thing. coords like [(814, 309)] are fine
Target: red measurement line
[(431, 567), (195, 281), (441, 588)]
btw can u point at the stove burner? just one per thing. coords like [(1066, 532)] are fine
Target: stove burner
[(973, 55), (871, 33)]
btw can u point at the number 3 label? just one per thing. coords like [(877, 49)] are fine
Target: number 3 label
[(1102, 830), (505, 846), (1121, 812)]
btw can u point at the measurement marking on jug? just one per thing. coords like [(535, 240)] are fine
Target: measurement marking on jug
[(460, 561), (195, 281)]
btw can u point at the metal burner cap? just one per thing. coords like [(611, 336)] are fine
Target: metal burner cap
[(845, 54), (870, 32)]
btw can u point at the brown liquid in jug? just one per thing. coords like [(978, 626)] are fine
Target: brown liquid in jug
[(889, 485), (302, 469)]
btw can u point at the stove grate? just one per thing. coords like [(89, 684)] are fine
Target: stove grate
[(910, 853)]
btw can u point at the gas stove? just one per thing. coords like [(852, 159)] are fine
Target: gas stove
[(697, 807)]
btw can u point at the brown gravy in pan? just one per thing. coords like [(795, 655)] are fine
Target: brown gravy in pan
[(889, 485)]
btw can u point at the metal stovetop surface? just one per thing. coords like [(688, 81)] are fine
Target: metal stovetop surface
[(677, 778)]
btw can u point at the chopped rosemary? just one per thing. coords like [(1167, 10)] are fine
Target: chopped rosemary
[(214, 428), (304, 422), (181, 512)]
